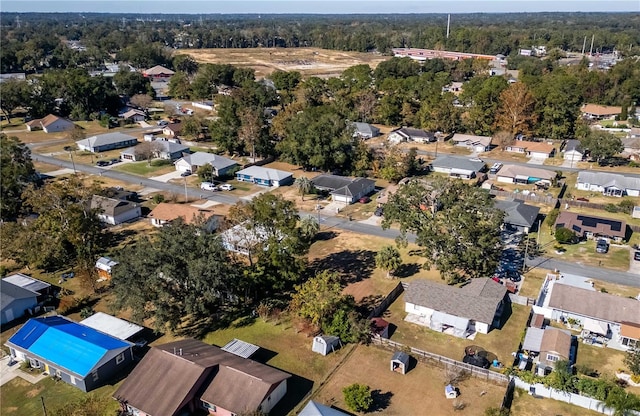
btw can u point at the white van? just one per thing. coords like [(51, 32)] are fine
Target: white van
[(208, 186)]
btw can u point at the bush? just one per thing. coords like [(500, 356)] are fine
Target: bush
[(358, 397), (611, 208), (158, 198), (565, 235), (626, 205)]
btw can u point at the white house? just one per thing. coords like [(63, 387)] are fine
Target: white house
[(609, 184), (458, 167), (475, 307), (573, 151), (134, 115), (344, 189), (407, 134), (365, 130), (107, 141), (536, 150), (219, 164), (50, 124), (475, 143), (523, 174), (115, 211), (265, 176), (165, 213)]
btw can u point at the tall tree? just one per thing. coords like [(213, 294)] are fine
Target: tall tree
[(388, 258), (318, 298), (516, 112), (602, 144), (455, 224), (224, 130), (251, 129), (182, 278), (17, 172), (14, 93), (304, 185)]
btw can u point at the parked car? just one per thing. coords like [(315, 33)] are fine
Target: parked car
[(163, 123), (114, 160), (186, 173), (636, 256), (514, 276), (364, 200), (102, 163), (226, 187), (378, 212), (602, 246), (208, 186)]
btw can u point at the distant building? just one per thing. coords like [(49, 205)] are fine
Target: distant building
[(50, 124), (600, 112), (158, 73), (425, 54), (108, 141)]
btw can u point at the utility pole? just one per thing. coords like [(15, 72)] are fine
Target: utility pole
[(70, 149), (591, 49), (584, 44), (186, 195), (448, 24), (44, 409), (526, 250), (539, 231)]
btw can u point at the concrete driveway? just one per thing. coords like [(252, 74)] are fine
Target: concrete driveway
[(166, 177), (9, 372), (634, 265)]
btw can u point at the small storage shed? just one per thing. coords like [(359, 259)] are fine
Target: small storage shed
[(400, 362), (380, 327), (450, 392), (324, 344)]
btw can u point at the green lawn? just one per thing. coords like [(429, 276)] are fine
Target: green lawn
[(19, 397), (144, 169), (501, 342)]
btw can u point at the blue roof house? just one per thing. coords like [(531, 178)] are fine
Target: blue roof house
[(79, 355), (264, 176)]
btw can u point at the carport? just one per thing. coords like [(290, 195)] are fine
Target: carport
[(442, 321)]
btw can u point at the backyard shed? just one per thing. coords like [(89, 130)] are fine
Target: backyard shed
[(400, 362), (380, 327), (450, 392), (324, 344)]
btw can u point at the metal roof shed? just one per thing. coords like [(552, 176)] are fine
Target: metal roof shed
[(400, 362), (110, 325)]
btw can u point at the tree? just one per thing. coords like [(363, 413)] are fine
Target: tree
[(601, 144), (455, 224), (503, 139), (251, 129), (17, 172), (14, 93), (185, 64), (483, 94), (622, 402), (131, 83), (317, 298), (388, 258), (632, 360), (179, 85), (562, 377), (565, 235), (304, 185), (358, 397), (516, 112), (142, 101), (224, 130), (309, 227), (551, 218), (182, 278), (148, 150)]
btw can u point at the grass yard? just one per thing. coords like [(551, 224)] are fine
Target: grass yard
[(526, 405), (144, 169), (419, 392), (21, 398), (501, 342)]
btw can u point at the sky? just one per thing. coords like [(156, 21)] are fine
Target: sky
[(318, 7)]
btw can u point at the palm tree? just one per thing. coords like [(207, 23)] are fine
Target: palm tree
[(309, 227), (388, 259), (304, 185)]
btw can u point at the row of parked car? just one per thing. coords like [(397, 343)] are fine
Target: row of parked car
[(107, 162), (208, 186)]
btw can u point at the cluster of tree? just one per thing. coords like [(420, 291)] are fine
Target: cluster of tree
[(16, 169), (456, 226), (142, 40)]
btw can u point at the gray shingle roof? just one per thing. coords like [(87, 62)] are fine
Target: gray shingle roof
[(573, 145), (10, 292), (366, 129), (477, 300), (608, 180), (203, 158), (603, 306), (105, 139), (518, 213), (452, 162), (264, 173)]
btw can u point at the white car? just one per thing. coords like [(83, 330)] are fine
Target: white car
[(208, 186), (226, 187)]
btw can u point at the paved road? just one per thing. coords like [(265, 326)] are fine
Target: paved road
[(607, 275)]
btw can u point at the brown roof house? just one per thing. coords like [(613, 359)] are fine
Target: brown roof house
[(158, 73), (619, 317), (599, 112), (589, 226), (461, 312), (548, 346), (537, 150), (184, 376), (165, 213), (50, 124)]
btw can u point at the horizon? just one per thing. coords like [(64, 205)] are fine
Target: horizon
[(267, 7)]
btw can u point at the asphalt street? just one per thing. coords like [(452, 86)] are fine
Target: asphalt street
[(607, 275)]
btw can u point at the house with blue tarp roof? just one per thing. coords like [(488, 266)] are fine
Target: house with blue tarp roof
[(77, 354)]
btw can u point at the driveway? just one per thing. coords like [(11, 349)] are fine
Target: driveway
[(634, 265), (9, 372), (536, 161), (167, 177)]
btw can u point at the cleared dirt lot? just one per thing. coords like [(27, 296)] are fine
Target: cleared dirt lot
[(308, 61)]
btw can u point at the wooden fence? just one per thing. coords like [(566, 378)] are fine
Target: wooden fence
[(391, 297), (548, 200), (521, 300), (442, 361)]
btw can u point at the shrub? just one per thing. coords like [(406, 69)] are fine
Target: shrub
[(157, 198), (358, 397), (565, 235), (611, 208), (626, 205)]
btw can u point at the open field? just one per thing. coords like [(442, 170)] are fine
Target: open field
[(397, 394), (308, 61)]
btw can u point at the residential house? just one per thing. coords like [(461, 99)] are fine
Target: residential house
[(518, 215), (535, 150), (265, 176), (365, 130), (614, 319), (634, 133), (110, 325), (573, 151), (165, 213), (43, 289), (220, 165), (75, 353), (316, 409), (115, 211), (609, 184), (600, 112), (107, 141), (475, 307), (163, 149), (134, 115), (50, 124), (455, 87), (591, 227), (344, 189), (407, 134), (548, 346), (172, 130), (190, 376), (631, 146), (158, 74), (15, 301), (524, 175), (477, 144), (104, 266), (458, 167)]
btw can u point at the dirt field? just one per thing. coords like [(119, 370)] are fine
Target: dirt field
[(308, 61), (419, 392)]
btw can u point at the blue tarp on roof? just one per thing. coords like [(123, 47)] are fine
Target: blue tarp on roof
[(70, 345)]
